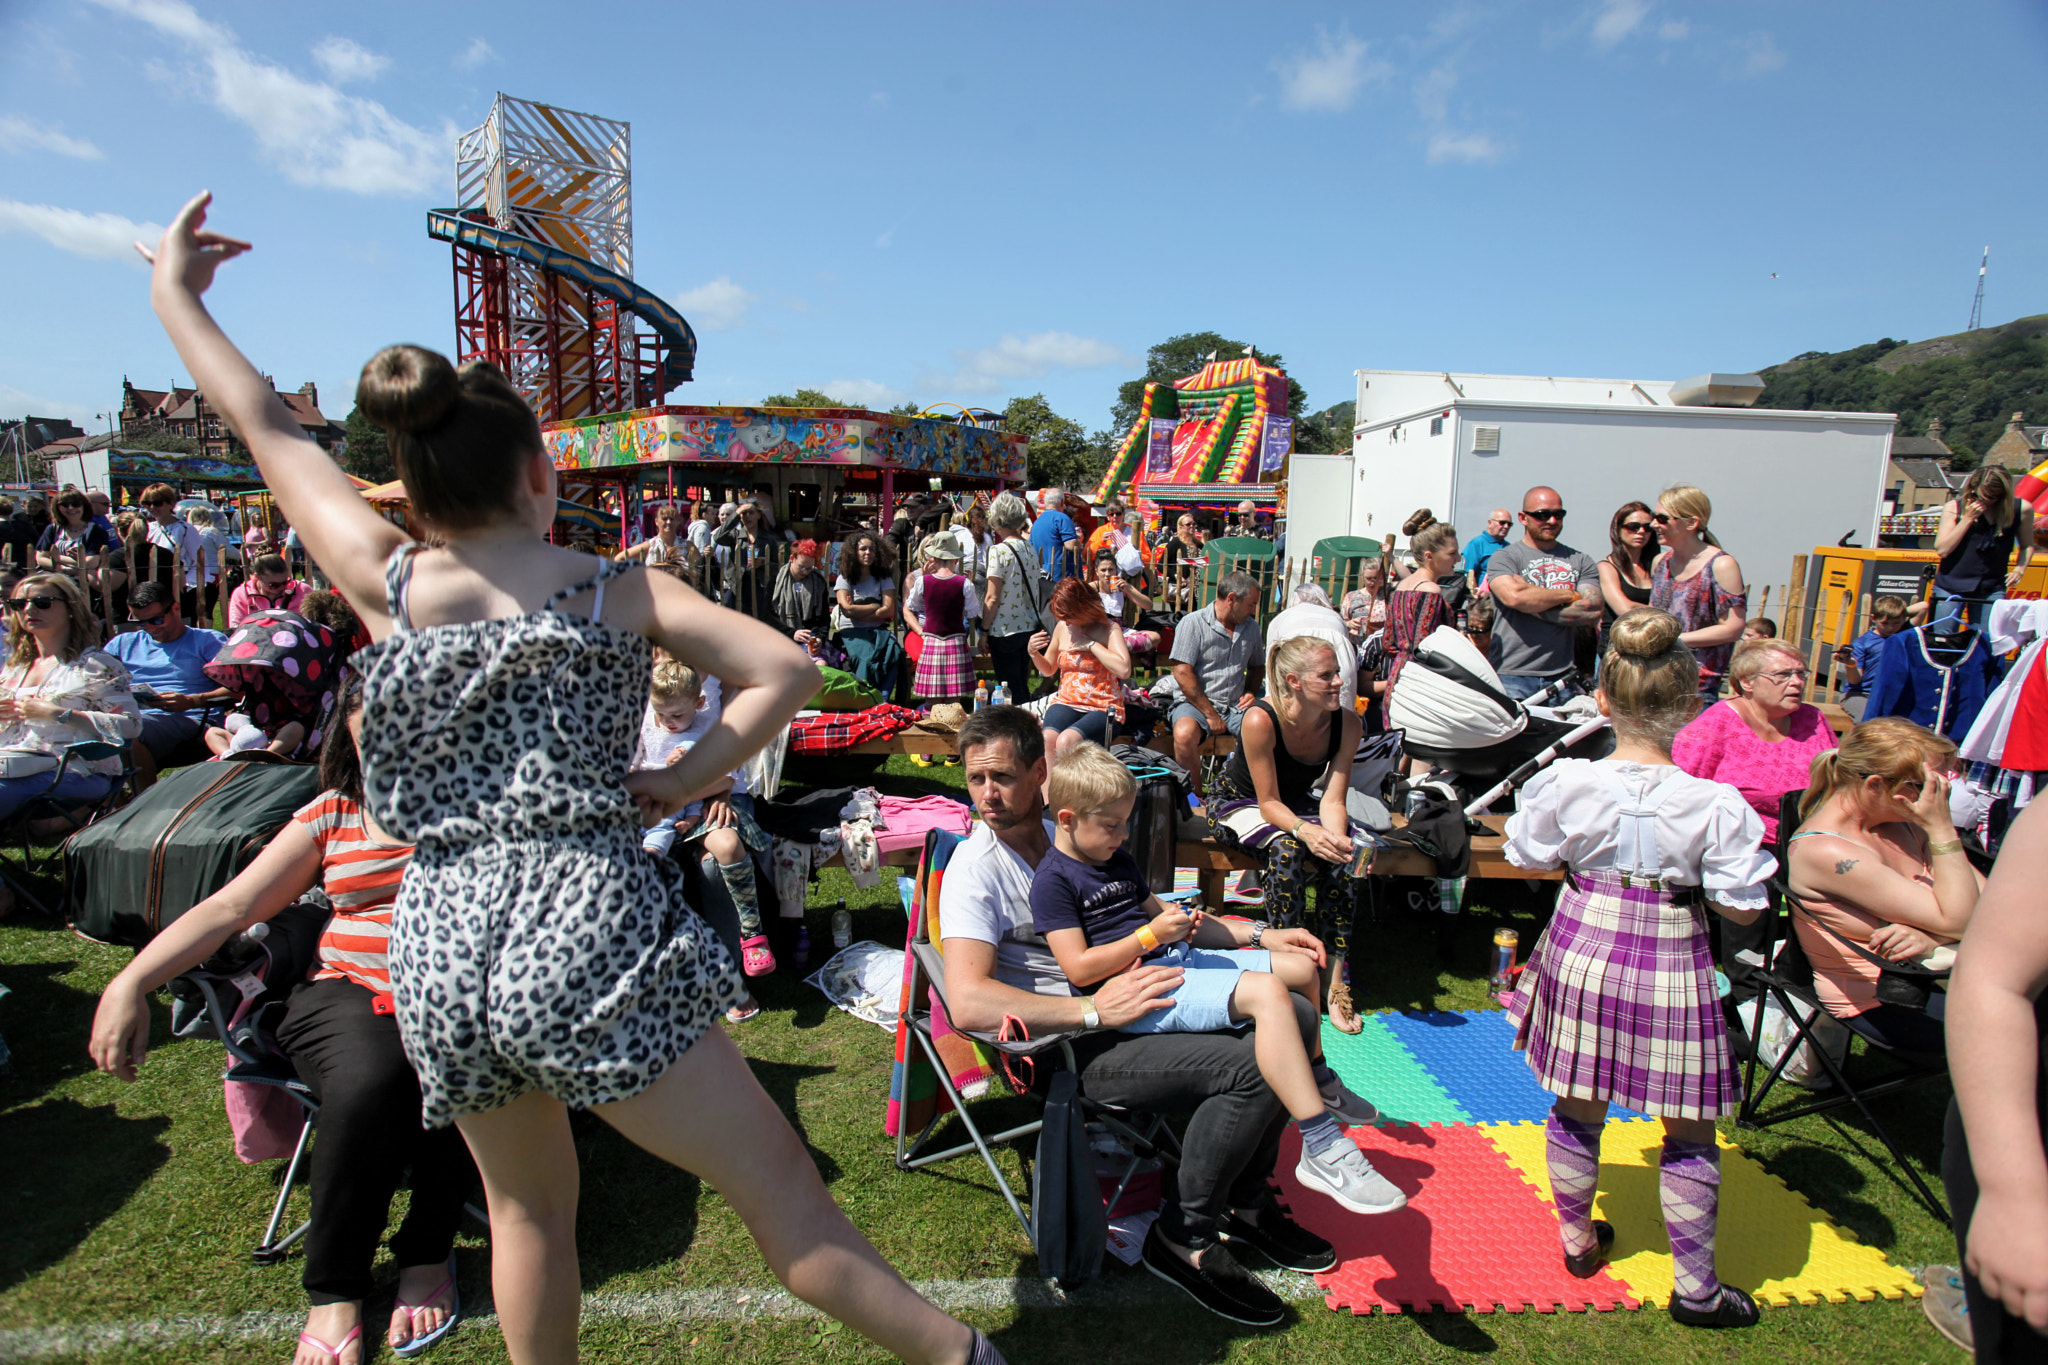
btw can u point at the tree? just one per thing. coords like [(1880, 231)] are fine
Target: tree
[(1183, 355), (1060, 451), (154, 437), (804, 398), (368, 453)]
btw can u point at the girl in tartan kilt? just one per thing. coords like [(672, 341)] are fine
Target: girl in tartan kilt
[(1618, 1002)]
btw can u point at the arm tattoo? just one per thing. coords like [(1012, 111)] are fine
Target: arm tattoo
[(1844, 865)]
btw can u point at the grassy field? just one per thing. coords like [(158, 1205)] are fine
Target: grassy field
[(124, 1205)]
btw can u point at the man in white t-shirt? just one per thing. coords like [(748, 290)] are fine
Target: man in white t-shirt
[(997, 965)]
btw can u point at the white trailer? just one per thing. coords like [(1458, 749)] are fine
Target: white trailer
[(1462, 444)]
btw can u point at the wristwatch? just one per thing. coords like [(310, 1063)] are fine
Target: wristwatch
[(1090, 1020), (1259, 928)]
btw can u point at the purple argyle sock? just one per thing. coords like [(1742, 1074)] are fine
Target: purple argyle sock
[(1689, 1180), (1574, 1175)]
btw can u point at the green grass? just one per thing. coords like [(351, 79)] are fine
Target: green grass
[(125, 1202)]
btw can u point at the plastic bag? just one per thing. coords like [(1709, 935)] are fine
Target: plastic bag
[(1805, 1068)]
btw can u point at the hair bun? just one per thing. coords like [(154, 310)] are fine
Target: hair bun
[(1645, 633), (1418, 523), (407, 388)]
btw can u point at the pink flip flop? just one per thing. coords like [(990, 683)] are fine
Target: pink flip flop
[(755, 956), (416, 1344), (308, 1339)]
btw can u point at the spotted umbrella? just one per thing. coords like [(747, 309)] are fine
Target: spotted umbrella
[(285, 668)]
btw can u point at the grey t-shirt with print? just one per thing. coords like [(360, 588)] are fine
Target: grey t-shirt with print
[(1533, 646)]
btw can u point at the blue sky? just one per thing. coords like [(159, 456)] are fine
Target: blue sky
[(967, 202)]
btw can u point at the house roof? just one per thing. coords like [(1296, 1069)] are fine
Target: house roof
[(1919, 447), (1924, 473), (303, 409)]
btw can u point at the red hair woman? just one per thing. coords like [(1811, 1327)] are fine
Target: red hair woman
[(1087, 650)]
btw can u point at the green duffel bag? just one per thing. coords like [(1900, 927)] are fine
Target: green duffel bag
[(129, 875), (839, 690)]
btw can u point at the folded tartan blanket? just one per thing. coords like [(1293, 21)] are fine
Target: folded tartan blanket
[(836, 730)]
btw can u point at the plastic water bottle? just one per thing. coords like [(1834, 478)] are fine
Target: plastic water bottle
[(980, 695), (842, 926), (1001, 696), (1502, 977), (801, 958)]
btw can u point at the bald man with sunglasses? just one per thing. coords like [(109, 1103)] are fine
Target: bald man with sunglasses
[(1543, 589)]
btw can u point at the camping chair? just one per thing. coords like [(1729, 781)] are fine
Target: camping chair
[(1785, 978), (926, 1019), (44, 867)]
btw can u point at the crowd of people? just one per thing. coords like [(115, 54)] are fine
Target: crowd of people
[(529, 736)]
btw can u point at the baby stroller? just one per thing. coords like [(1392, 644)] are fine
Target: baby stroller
[(1481, 744), (285, 668), (1453, 714)]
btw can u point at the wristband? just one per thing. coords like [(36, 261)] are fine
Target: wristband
[(1147, 940), (1950, 846)]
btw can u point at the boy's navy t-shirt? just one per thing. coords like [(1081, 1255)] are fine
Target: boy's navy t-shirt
[(1105, 903)]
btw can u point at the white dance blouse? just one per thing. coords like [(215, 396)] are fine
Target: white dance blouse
[(1706, 834)]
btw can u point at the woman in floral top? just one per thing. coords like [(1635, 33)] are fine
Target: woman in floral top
[(57, 689)]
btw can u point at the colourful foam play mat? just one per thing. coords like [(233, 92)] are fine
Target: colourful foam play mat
[(1464, 1140)]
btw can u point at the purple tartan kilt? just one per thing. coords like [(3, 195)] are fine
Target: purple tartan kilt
[(945, 669), (1618, 1003)]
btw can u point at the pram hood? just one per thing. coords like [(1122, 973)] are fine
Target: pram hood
[(1449, 697)]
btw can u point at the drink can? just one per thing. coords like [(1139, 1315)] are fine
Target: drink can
[(1361, 857)]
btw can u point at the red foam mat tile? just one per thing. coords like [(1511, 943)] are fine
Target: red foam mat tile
[(1474, 1237)]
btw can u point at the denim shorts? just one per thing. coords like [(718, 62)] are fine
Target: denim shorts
[(1201, 1003), (1233, 719), (1094, 725)]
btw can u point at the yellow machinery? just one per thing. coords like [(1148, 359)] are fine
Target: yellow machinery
[(1841, 583)]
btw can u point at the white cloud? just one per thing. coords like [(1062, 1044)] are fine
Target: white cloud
[(309, 130), (1758, 54), (1447, 145), (1674, 30), (1433, 92), (19, 134), (993, 368), (19, 402), (1328, 80), (865, 393), (475, 55), (96, 236), (716, 306), (1616, 20), (344, 59)]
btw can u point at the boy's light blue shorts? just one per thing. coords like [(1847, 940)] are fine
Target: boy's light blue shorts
[(1201, 1003)]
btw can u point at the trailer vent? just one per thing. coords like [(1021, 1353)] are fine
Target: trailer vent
[(1486, 440)]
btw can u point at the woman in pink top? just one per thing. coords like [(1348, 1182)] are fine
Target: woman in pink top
[(1878, 861), (1762, 741)]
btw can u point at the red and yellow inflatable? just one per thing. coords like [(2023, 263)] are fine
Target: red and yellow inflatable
[(2033, 489)]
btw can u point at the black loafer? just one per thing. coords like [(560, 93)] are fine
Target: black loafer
[(1219, 1283), (1587, 1264), (1281, 1240), (1736, 1309)]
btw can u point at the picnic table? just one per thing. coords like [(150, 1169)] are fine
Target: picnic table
[(1213, 863)]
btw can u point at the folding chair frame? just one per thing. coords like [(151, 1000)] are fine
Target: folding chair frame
[(1147, 1136), (31, 870), (1802, 1005), (252, 1069)]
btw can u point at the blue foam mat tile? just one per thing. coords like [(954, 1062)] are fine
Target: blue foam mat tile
[(1470, 1054)]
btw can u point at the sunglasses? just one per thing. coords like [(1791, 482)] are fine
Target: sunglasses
[(1635, 526), (1662, 518), (147, 621), (39, 602), (1545, 514)]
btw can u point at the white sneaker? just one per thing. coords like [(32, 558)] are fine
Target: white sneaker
[(1342, 1172)]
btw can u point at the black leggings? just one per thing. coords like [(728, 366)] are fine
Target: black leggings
[(1010, 658), (2001, 1338), (368, 1133)]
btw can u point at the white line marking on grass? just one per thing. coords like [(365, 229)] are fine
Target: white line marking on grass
[(663, 1306)]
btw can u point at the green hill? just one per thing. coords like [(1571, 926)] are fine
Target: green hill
[(1972, 381)]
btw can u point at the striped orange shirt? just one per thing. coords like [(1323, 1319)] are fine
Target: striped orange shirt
[(360, 875)]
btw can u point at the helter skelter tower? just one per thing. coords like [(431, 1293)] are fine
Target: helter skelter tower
[(543, 240)]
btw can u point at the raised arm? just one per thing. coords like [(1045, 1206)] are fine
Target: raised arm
[(350, 541)]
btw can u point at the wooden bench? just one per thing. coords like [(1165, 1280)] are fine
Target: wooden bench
[(1213, 863)]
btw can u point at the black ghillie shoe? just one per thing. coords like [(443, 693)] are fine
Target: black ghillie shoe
[(1587, 1264), (1736, 1309)]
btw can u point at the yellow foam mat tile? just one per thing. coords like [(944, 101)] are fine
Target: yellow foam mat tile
[(1770, 1242)]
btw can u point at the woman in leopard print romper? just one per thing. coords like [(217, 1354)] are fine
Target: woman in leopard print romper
[(539, 958)]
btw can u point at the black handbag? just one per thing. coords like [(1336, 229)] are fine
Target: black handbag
[(1068, 1221)]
